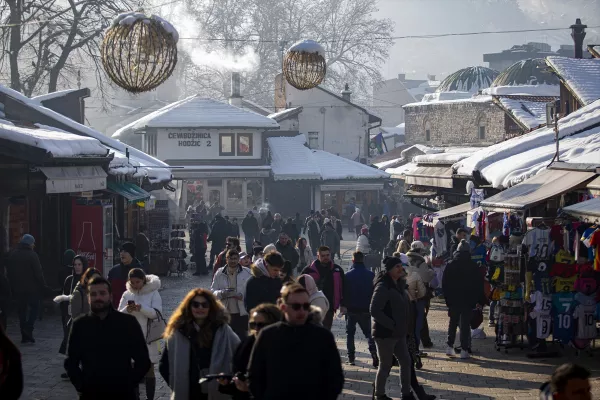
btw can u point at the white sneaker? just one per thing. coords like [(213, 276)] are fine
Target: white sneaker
[(464, 355), (449, 351)]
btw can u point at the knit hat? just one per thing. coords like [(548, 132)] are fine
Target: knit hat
[(364, 230), (417, 246), (326, 221), (128, 247), (269, 248), (27, 239), (391, 262), (463, 246)]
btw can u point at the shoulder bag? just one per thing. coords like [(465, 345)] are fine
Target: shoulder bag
[(155, 328)]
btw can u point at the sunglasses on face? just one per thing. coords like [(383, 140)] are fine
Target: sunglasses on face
[(257, 325), (298, 306), (200, 304)]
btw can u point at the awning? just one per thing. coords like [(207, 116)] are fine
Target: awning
[(453, 212), (594, 186), (543, 186), (74, 179), (430, 176), (414, 194), (351, 186), (128, 190), (589, 209)]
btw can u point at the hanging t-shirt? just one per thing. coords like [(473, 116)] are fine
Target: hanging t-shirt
[(538, 241), (585, 315), (542, 282), (415, 226), (585, 285), (595, 246), (542, 303), (563, 270), (564, 257), (543, 324), (564, 284), (440, 241), (563, 327)]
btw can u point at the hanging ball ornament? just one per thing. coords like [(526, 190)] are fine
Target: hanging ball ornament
[(139, 52), (304, 65)]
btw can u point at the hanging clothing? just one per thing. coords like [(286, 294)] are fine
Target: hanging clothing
[(440, 239)]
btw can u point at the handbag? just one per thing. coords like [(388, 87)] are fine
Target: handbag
[(155, 328)]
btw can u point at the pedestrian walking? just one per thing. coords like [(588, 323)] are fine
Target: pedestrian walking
[(235, 227), (27, 284), (245, 260), (312, 363), (277, 223), (316, 297), (79, 303), (331, 239), (119, 274), (357, 221), (461, 234), (142, 300), (405, 242), (289, 228), (286, 247), (218, 238), (268, 235), (349, 209), (11, 369), (251, 230), (418, 265), (198, 342), (142, 247), (107, 354), (229, 286), (378, 234), (260, 317), (463, 290), (390, 310), (395, 228), (358, 294), (305, 255), (298, 222), (330, 279), (200, 236), (233, 243), (363, 243), (314, 234), (264, 286), (79, 265)]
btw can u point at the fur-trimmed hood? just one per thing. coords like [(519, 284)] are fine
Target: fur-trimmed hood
[(259, 268), (152, 284)]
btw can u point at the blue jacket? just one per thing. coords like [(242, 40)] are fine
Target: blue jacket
[(358, 288)]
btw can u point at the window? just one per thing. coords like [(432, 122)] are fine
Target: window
[(427, 131), (151, 145), (226, 144), (244, 144), (481, 132), (481, 127), (313, 140)]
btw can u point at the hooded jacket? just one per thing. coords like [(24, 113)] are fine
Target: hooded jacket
[(331, 239), (290, 230), (317, 298), (268, 236), (118, 276), (415, 287), (250, 226), (403, 246), (25, 272), (463, 282), (418, 265), (358, 289), (330, 280), (260, 287), (362, 244), (288, 252), (79, 301), (221, 282), (308, 257), (390, 307)]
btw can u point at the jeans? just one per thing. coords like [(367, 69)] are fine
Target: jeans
[(28, 309), (386, 350), (249, 240), (492, 309), (363, 320), (460, 316), (419, 320)]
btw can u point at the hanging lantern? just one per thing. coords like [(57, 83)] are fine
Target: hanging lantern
[(139, 52), (304, 65)]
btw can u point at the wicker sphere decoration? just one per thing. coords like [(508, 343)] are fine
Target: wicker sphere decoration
[(304, 65), (139, 52)]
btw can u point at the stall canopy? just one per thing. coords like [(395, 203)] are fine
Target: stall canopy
[(459, 211), (128, 190), (594, 186), (74, 179), (434, 176), (543, 186), (589, 209)]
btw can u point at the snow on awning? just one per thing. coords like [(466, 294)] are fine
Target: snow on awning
[(582, 76), (430, 176), (450, 213), (401, 171), (74, 179), (589, 209), (594, 186), (543, 186)]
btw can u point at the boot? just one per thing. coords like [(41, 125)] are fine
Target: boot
[(150, 388), (407, 397), (421, 395)]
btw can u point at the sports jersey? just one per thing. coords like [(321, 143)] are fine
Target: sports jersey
[(538, 242), (564, 270), (595, 245), (542, 282), (564, 257), (564, 284), (563, 324), (585, 285), (586, 322), (542, 304), (543, 322)]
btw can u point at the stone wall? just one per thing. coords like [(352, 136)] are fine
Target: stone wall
[(454, 123)]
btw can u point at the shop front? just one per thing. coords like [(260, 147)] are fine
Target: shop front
[(341, 195)]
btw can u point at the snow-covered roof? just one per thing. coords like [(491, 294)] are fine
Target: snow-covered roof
[(447, 155), (442, 96), (582, 76), (400, 171), (422, 148), (53, 95), (530, 114), (292, 160), (475, 99), (542, 89), (257, 108), (199, 112), (285, 114), (308, 46), (387, 164), (510, 162), (155, 170), (56, 143)]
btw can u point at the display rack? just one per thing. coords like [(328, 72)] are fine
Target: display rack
[(177, 253)]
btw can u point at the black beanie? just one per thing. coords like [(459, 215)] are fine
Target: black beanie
[(128, 247), (391, 262)]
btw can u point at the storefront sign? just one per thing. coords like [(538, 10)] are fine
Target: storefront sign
[(201, 144), (74, 179), (191, 139)]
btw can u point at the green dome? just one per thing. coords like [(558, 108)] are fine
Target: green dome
[(471, 79), (533, 71)]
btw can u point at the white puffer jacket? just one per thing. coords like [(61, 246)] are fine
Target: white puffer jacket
[(221, 282), (150, 300), (362, 244)]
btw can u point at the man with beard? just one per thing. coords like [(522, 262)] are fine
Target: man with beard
[(287, 250), (102, 346)]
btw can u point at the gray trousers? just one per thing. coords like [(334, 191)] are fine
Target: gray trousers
[(387, 349)]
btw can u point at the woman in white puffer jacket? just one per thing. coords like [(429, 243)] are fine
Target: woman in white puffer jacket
[(142, 300), (362, 243)]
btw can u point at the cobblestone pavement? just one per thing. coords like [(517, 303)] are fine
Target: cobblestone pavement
[(489, 374)]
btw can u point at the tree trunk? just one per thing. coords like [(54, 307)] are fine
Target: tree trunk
[(15, 43)]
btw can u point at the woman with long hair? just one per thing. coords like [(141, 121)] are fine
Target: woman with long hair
[(142, 300), (260, 317), (199, 342), (305, 253), (79, 300)]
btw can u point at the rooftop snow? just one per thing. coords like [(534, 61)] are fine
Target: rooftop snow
[(581, 75), (53, 95), (386, 164), (198, 112), (450, 155), (57, 143), (285, 114), (476, 99), (532, 114), (442, 96), (292, 160), (401, 170), (308, 46), (543, 89), (510, 162)]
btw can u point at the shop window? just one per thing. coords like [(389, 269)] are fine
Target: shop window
[(329, 199), (235, 200), (226, 144), (195, 191), (481, 132), (313, 140), (151, 143), (254, 194), (427, 131), (244, 144)]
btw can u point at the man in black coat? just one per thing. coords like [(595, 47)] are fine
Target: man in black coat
[(102, 346), (290, 229), (27, 283), (251, 230), (285, 246), (313, 368), (218, 238), (200, 247)]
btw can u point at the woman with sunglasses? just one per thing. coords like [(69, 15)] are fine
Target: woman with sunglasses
[(199, 342), (79, 299), (260, 317)]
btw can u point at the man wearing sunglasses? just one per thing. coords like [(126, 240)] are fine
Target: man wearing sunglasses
[(313, 368)]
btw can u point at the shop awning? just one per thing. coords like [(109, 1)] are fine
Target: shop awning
[(543, 186), (453, 212), (430, 176), (351, 186), (589, 209), (128, 190), (414, 194), (74, 179), (594, 186)]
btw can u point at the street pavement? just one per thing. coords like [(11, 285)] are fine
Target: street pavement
[(488, 374)]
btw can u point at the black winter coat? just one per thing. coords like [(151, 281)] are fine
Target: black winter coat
[(25, 273), (261, 289), (219, 233), (291, 231), (390, 307), (277, 225), (463, 282), (241, 358), (250, 226), (288, 252), (316, 372)]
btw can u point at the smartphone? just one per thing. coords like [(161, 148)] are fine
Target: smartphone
[(131, 303), (210, 377)]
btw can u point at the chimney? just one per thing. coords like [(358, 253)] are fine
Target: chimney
[(235, 99), (578, 34), (402, 77), (346, 93)]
